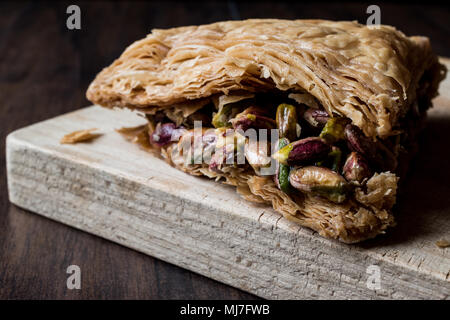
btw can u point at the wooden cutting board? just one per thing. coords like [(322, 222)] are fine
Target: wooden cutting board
[(112, 189)]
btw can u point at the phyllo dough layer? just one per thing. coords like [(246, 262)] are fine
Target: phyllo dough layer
[(367, 74)]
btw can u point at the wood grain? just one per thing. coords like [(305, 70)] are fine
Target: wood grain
[(45, 70), (139, 201)]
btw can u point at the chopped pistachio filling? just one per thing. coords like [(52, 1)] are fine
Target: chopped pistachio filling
[(315, 152)]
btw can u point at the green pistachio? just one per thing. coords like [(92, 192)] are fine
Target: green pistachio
[(334, 130), (252, 117), (221, 118), (282, 155), (321, 181), (282, 174), (286, 119), (333, 160), (304, 151), (336, 157)]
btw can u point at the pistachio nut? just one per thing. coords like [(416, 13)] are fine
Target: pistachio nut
[(356, 168), (316, 117), (256, 154), (358, 142), (321, 181), (252, 117), (282, 171), (222, 156), (286, 119), (303, 151), (197, 146), (163, 134), (224, 115), (334, 129), (336, 158)]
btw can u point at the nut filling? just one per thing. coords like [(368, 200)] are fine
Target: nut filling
[(315, 153)]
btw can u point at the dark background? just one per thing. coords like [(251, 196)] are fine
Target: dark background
[(44, 71)]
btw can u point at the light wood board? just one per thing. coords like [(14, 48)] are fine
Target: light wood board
[(112, 189)]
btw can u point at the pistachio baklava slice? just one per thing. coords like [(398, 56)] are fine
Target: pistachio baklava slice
[(316, 118)]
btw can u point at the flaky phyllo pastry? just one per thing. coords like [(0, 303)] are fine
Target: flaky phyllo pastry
[(335, 106)]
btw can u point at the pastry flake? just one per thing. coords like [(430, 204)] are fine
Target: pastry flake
[(79, 136)]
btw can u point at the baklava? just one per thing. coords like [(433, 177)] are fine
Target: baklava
[(316, 118)]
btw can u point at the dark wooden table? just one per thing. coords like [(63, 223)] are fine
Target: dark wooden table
[(44, 71)]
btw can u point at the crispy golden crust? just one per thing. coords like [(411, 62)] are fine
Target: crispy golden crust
[(367, 74)]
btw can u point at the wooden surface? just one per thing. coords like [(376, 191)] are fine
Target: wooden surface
[(45, 70), (111, 188)]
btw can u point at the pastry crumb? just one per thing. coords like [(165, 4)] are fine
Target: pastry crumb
[(79, 136), (443, 243)]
